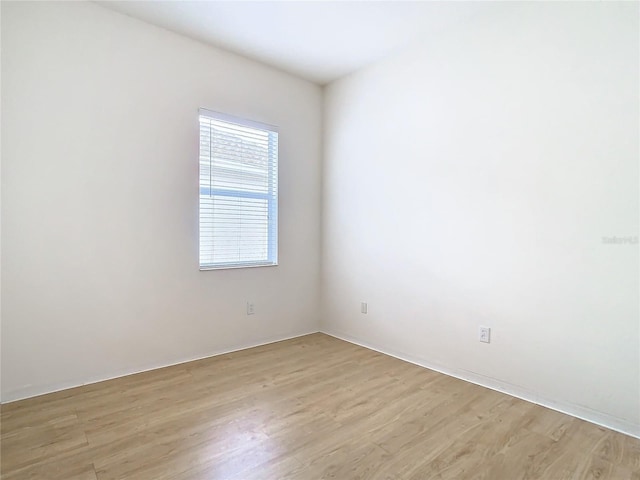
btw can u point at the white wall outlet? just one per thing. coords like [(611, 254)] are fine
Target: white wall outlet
[(364, 308), (484, 334), (250, 308)]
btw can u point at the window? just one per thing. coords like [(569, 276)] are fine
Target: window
[(238, 192)]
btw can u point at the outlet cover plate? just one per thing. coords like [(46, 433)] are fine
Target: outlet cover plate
[(484, 334)]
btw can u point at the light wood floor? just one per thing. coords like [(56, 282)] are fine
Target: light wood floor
[(309, 408)]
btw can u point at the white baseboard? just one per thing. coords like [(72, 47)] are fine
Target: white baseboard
[(578, 411), (29, 391)]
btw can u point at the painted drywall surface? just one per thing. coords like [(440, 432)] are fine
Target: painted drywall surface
[(471, 181), (100, 199)]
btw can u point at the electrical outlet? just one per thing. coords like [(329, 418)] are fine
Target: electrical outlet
[(364, 308), (484, 334), (250, 308)]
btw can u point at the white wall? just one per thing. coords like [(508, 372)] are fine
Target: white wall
[(100, 199), (469, 181)]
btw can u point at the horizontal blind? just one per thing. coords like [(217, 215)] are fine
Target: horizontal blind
[(238, 192)]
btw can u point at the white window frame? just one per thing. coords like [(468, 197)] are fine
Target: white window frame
[(271, 196)]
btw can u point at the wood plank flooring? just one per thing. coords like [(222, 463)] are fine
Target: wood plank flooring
[(309, 408)]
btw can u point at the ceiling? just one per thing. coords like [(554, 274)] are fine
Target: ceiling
[(316, 40)]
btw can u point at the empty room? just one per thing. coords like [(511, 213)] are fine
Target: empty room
[(328, 239)]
